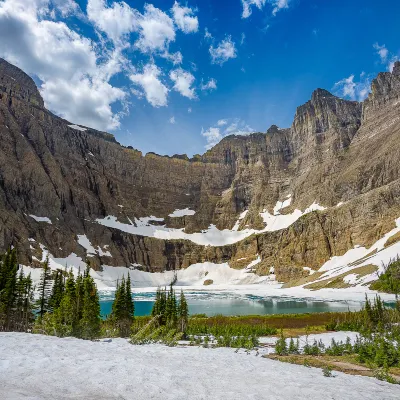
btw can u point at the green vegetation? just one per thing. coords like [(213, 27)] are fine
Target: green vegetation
[(377, 346), (389, 281), (16, 295), (168, 323)]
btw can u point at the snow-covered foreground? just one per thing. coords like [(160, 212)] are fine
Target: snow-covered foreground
[(42, 367)]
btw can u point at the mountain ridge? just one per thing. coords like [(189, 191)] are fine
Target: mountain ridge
[(336, 151)]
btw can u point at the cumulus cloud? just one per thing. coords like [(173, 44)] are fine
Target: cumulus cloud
[(172, 120), (66, 7), (247, 6), (208, 86), (183, 81), (223, 52), (207, 34), (156, 30), (353, 90), (176, 58), (277, 5), (74, 79), (223, 128), (386, 57), (115, 21), (155, 91), (184, 18)]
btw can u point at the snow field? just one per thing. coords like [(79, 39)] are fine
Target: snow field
[(45, 368)]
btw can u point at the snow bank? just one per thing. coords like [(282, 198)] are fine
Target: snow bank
[(182, 213), (193, 276), (360, 256), (78, 128), (118, 370), (211, 236), (84, 241), (40, 219)]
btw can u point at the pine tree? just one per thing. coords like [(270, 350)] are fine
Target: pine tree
[(66, 316), (57, 291), (130, 305), (183, 313), (44, 289), (91, 320)]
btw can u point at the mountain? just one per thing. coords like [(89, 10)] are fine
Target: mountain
[(288, 198)]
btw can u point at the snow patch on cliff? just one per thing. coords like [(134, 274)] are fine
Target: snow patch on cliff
[(41, 219), (182, 213)]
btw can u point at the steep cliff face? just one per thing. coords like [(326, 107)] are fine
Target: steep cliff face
[(59, 181)]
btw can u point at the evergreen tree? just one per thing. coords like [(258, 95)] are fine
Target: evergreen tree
[(44, 289), (183, 313), (123, 307), (90, 322), (57, 291), (130, 305), (66, 316)]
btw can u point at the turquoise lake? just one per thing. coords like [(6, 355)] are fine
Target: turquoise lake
[(211, 303)]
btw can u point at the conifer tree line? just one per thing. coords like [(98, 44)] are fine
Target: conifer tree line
[(65, 305), (16, 295), (169, 311)]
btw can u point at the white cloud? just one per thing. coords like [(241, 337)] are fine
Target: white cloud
[(115, 21), (223, 128), (63, 96), (382, 51), (184, 19), (242, 38), (172, 120), (176, 58), (155, 91), (356, 91), (156, 30), (183, 81), (61, 58), (279, 5), (385, 56), (223, 52), (210, 85), (66, 7), (189, 110), (207, 34), (222, 122), (212, 135), (247, 6)]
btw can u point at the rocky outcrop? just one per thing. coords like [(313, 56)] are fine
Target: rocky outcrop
[(335, 151)]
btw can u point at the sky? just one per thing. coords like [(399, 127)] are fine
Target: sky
[(175, 77)]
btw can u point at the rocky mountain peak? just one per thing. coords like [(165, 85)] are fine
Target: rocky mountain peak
[(273, 129), (16, 83), (396, 68), (320, 94)]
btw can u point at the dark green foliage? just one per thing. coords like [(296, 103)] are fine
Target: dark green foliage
[(123, 308), (90, 322), (293, 347), (169, 312), (78, 310), (389, 281), (281, 346), (233, 326), (374, 316), (44, 289), (57, 290), (16, 295)]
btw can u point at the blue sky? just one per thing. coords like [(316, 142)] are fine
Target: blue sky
[(175, 77)]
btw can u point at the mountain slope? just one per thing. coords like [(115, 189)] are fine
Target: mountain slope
[(76, 190)]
